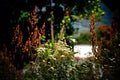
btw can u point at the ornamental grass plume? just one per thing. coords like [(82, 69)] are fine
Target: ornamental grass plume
[(26, 37), (17, 37)]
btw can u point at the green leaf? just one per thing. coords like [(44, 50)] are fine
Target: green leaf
[(49, 19)]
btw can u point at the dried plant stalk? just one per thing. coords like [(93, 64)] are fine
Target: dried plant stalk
[(93, 34), (96, 46)]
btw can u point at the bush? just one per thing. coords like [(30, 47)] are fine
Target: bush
[(57, 62), (53, 62), (105, 31)]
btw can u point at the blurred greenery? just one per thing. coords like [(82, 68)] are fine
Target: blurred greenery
[(83, 38)]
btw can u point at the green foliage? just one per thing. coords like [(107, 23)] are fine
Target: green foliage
[(77, 17), (68, 27), (66, 19), (23, 15), (43, 39), (57, 62), (95, 7), (89, 7), (83, 38), (52, 16)]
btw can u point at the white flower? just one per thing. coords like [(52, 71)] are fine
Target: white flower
[(43, 60), (62, 56), (54, 58), (52, 68)]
